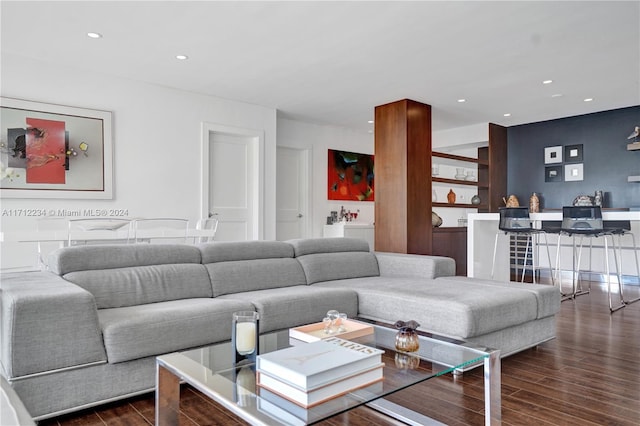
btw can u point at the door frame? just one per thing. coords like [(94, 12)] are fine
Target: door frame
[(257, 146)]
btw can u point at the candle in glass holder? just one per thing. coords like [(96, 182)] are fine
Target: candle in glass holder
[(245, 337)]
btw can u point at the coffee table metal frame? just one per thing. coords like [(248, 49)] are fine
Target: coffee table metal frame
[(219, 381)]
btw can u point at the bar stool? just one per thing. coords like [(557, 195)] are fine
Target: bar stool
[(620, 229), (515, 221), (586, 221)]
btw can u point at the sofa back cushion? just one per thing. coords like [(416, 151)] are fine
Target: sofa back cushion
[(128, 275), (240, 266), (111, 256), (328, 259)]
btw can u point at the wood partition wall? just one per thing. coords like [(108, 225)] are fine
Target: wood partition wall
[(403, 205), (403, 170)]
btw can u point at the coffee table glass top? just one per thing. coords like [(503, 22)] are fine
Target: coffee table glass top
[(211, 371)]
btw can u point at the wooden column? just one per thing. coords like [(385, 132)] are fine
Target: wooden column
[(403, 177)]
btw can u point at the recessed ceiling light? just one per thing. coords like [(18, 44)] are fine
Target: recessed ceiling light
[(462, 100), (182, 57), (508, 114), (94, 35), (547, 82), (588, 99), (556, 95)]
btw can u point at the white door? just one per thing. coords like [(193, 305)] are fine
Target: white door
[(231, 182), (292, 193)]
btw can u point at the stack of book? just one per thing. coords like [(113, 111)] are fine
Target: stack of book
[(318, 371)]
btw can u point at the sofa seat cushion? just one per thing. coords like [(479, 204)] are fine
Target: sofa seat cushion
[(451, 308), (287, 307), (158, 328), (547, 296), (119, 287)]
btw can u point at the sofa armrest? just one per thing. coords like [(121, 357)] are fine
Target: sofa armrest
[(47, 323), (415, 265)]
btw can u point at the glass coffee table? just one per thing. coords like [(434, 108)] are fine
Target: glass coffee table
[(210, 370)]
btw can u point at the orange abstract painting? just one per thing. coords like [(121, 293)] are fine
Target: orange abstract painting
[(350, 176)]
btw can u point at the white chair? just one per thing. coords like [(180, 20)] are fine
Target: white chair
[(160, 230), (55, 233), (99, 230), (211, 225)]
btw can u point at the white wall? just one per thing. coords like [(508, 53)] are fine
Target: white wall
[(319, 139), (157, 143)]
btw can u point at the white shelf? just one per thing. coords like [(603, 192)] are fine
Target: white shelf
[(633, 179)]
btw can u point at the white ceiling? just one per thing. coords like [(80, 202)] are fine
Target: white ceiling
[(333, 62)]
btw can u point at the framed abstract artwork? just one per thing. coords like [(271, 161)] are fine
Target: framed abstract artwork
[(350, 176), (573, 172), (553, 154), (573, 153), (553, 174), (54, 151)]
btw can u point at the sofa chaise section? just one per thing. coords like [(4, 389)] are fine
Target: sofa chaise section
[(390, 287)]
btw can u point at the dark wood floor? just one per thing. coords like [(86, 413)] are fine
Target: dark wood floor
[(588, 375)]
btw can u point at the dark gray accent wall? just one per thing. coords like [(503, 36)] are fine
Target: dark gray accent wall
[(606, 161)]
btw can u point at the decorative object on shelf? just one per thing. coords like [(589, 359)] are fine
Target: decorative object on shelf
[(475, 200), (534, 204), (435, 220), (244, 336), (635, 134), (471, 175), (407, 338), (460, 174), (512, 201), (434, 196), (435, 170), (583, 200), (462, 222), (451, 196), (598, 199)]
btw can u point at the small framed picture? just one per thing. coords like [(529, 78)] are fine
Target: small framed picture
[(573, 172), (553, 174), (553, 154), (573, 154)]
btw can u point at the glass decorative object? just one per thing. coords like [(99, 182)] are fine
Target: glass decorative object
[(534, 203), (244, 336), (407, 338)]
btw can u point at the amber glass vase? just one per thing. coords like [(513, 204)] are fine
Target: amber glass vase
[(407, 338)]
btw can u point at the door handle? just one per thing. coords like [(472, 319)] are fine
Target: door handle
[(299, 215), (212, 214)]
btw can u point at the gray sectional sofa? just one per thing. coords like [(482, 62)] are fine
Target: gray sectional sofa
[(88, 331)]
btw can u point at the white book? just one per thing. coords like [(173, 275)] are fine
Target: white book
[(321, 394), (318, 363)]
